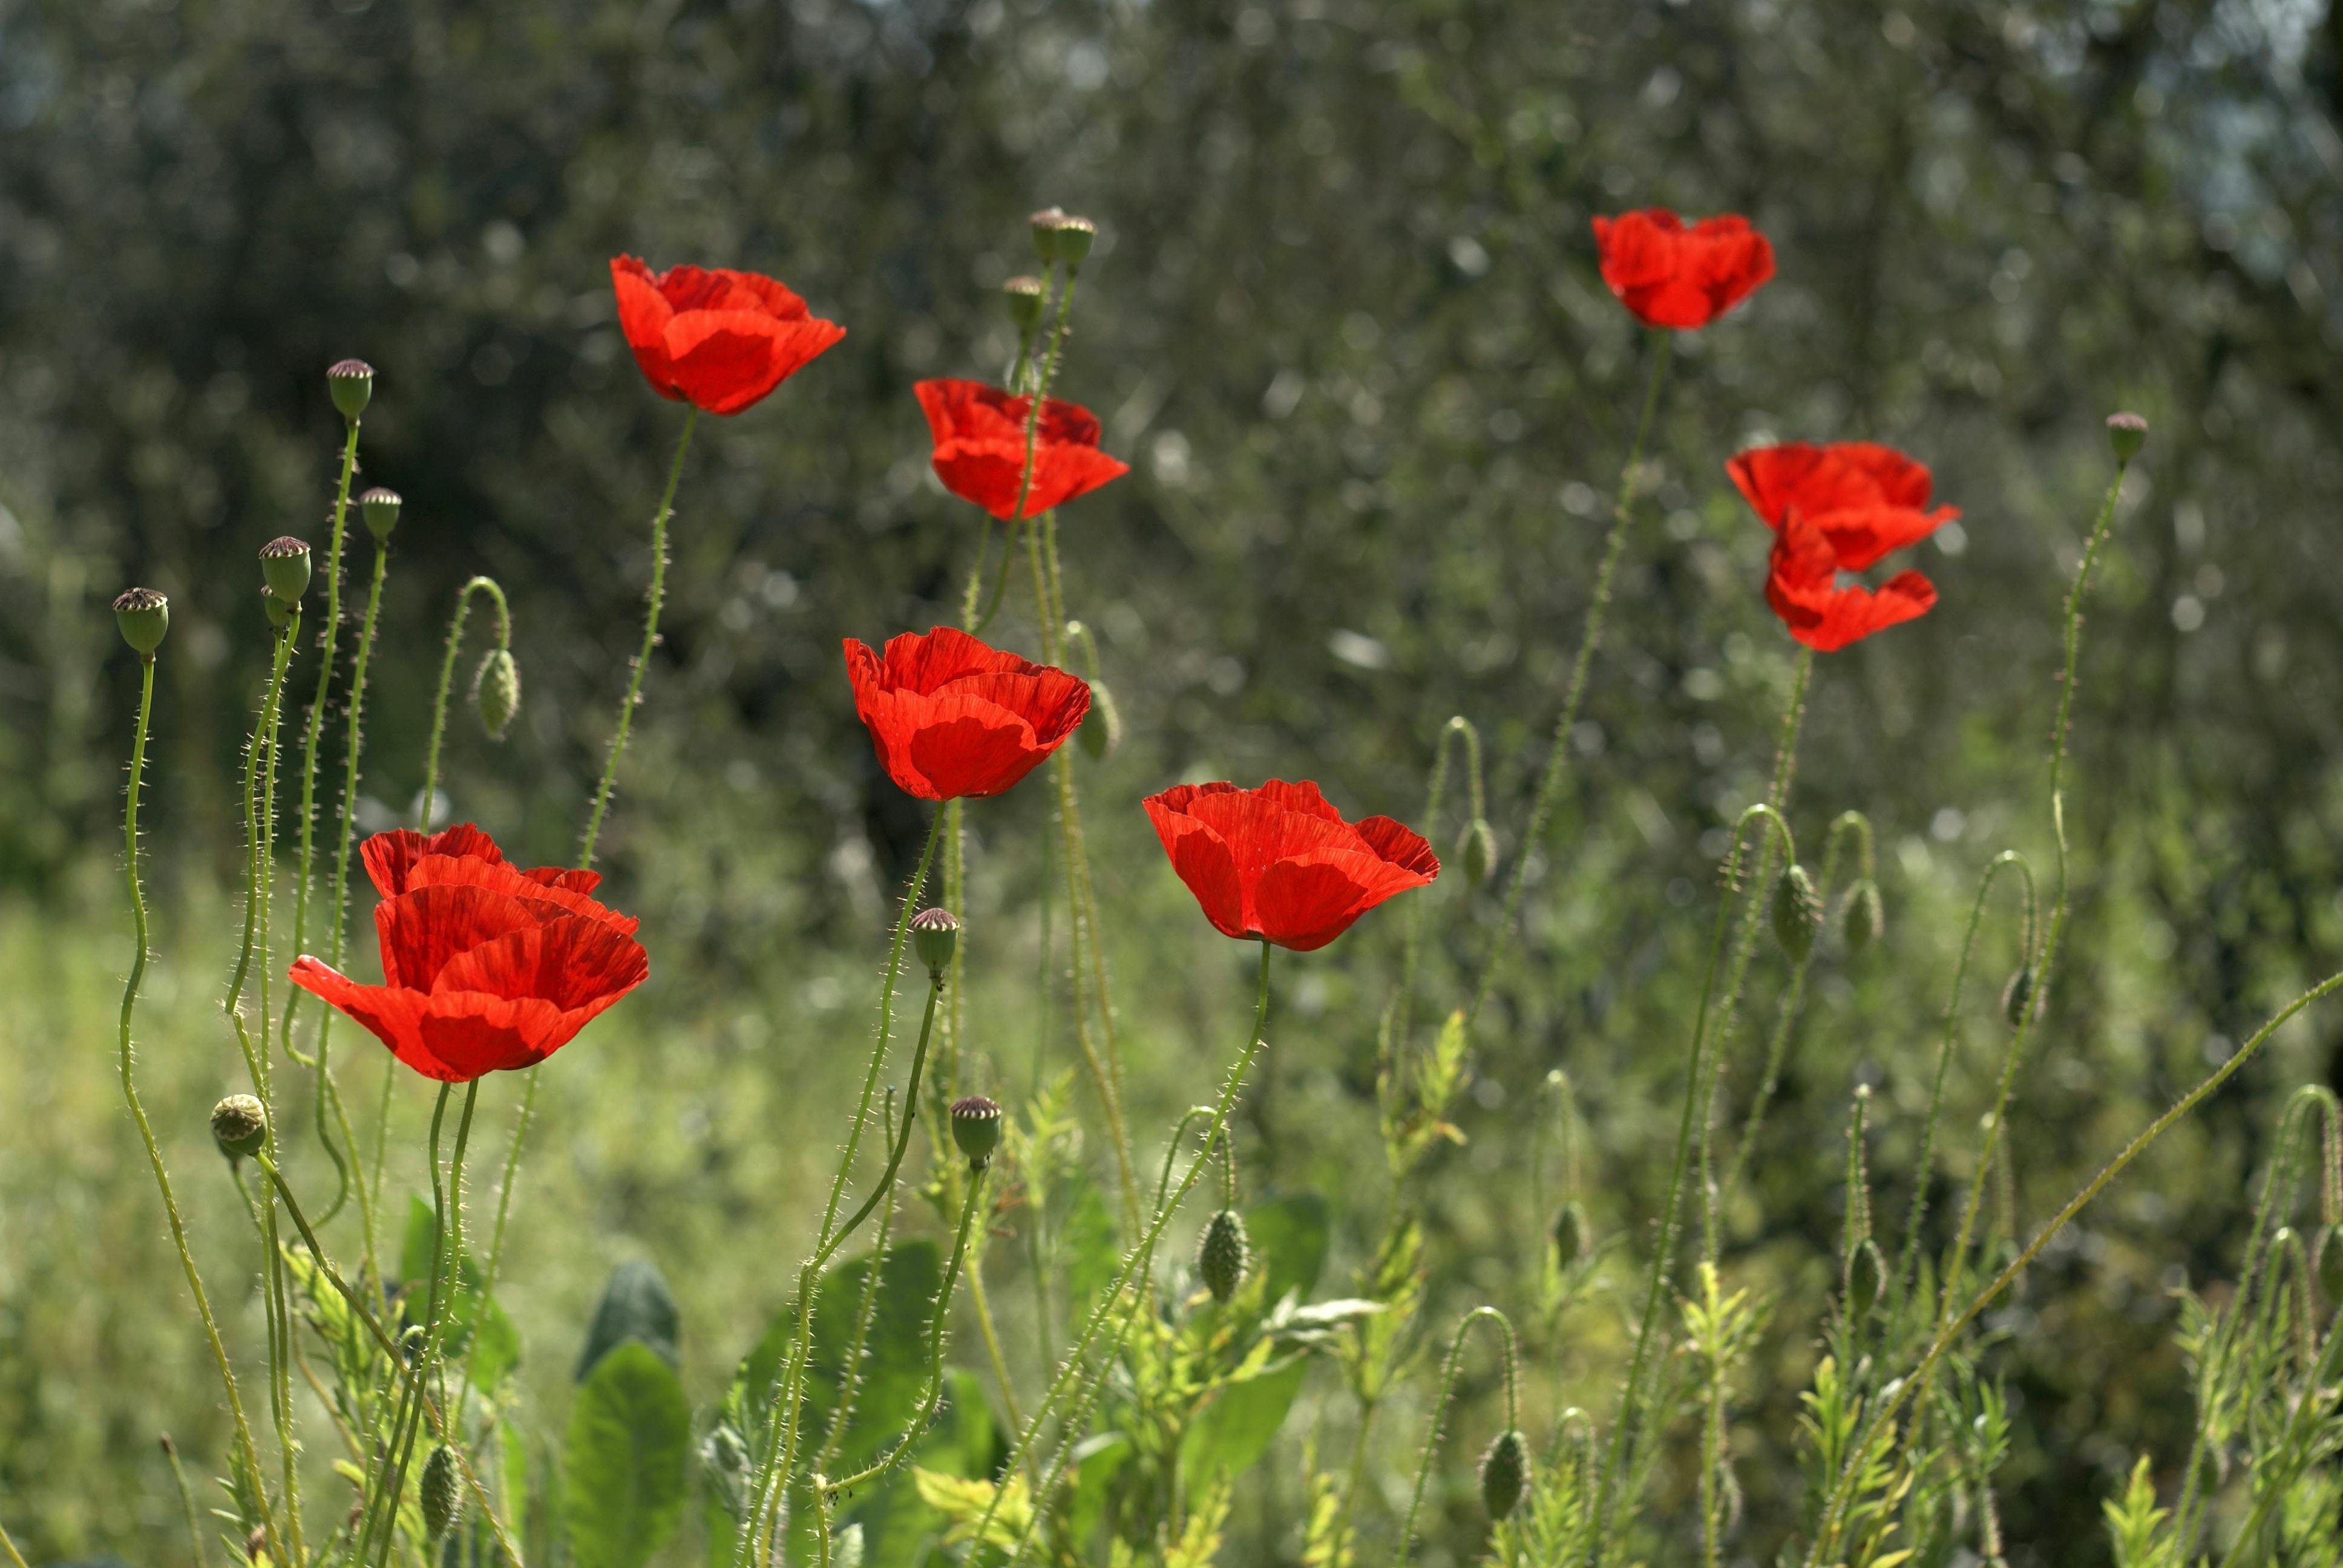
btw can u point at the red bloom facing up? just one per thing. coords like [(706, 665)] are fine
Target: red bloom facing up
[(1670, 275), (717, 339), (485, 966), (980, 436), (1839, 508), (1280, 864), (951, 716)]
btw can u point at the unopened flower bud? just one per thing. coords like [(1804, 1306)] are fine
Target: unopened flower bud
[(144, 617), (1504, 1475), (239, 1126), (976, 1128), (1222, 1254), (1101, 729), (1075, 237), (1045, 233), (441, 1499), (285, 568), (495, 692), (934, 934), (351, 381), (1866, 1272), (1480, 851), (1569, 1235), (1798, 913), (1024, 297), (1861, 918), (380, 508), (2126, 433), (2019, 994)]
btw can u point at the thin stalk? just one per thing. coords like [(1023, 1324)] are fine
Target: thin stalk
[(1558, 756), (1439, 1411), (2312, 1406), (656, 597), (244, 1449), (446, 679), (903, 1140), (851, 1384), (1400, 1022), (8, 1547), (187, 1505)]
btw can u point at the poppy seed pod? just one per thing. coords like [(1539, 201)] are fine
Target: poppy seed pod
[(1045, 233), (1024, 297), (1075, 237), (1504, 1475), (976, 1129), (285, 568), (351, 381), (934, 934), (1479, 851), (1222, 1254), (1101, 729), (1798, 913), (2126, 433), (495, 692), (144, 617), (380, 508), (239, 1126), (441, 1499), (1861, 918)]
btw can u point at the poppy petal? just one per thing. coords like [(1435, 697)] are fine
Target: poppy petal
[(425, 927), (392, 1014)]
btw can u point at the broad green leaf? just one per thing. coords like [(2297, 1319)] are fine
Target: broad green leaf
[(1236, 1427), (630, 1436), (899, 1528), (1289, 1236), (634, 1305)]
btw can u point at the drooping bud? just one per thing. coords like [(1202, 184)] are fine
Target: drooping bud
[(1224, 1252), (1075, 237), (1861, 916), (1045, 233), (1101, 729), (144, 617), (441, 1499), (380, 508), (1480, 851), (976, 1128), (285, 568), (934, 934), (495, 692), (2019, 995), (351, 381), (239, 1126), (1504, 1475), (2126, 433), (1798, 913), (1024, 297), (1866, 1273), (1569, 1234)]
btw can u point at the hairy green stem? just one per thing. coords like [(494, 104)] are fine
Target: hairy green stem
[(446, 679), (1448, 1369)]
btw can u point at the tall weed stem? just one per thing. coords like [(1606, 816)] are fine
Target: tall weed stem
[(1448, 1369)]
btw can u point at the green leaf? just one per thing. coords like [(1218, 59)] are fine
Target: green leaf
[(898, 1526), (1289, 1236), (1096, 1461), (1236, 1427), (629, 1435), (634, 1305), (894, 1369)]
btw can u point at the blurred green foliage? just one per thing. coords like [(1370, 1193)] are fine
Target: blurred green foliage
[(1343, 320)]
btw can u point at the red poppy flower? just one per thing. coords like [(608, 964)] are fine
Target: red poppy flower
[(485, 966), (980, 436), (715, 338), (1670, 275), (1801, 584), (951, 716), (1867, 498), (1279, 863)]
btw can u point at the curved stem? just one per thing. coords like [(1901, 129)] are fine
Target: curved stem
[(447, 680), (656, 597), (902, 1141), (842, 1415), (1558, 755), (1440, 1409), (244, 1444)]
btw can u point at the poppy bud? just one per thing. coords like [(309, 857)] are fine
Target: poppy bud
[(280, 613), (381, 509), (1024, 297), (976, 1128), (351, 381), (239, 1126), (1798, 913), (1045, 233), (285, 568), (1504, 1475), (441, 1501), (144, 617), (1569, 1235), (2018, 993), (2126, 433), (1480, 851), (495, 692), (1861, 918), (2330, 1265), (1222, 1254), (1075, 236), (934, 934), (1101, 729), (1866, 1273)]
